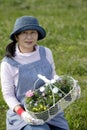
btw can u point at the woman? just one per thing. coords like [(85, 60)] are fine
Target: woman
[(24, 60)]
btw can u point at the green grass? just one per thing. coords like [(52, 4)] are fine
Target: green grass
[(66, 24)]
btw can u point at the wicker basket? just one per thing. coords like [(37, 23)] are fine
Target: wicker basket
[(60, 105)]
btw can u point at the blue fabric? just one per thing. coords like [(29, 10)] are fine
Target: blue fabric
[(59, 121), (30, 127), (45, 127), (55, 128), (27, 77)]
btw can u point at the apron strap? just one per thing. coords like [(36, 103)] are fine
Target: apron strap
[(11, 61), (42, 52)]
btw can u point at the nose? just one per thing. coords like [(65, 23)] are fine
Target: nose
[(28, 35)]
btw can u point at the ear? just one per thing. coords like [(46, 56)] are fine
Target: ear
[(16, 38)]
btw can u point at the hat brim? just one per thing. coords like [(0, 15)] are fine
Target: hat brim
[(39, 29)]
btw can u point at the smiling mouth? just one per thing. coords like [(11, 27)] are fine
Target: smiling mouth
[(29, 42)]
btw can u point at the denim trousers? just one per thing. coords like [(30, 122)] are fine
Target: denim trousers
[(44, 127)]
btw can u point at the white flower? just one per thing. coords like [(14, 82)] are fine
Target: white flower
[(55, 90), (53, 81), (42, 89), (56, 77), (60, 94), (35, 104)]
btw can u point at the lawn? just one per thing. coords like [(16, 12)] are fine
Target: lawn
[(66, 24)]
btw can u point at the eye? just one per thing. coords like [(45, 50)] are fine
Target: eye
[(24, 32), (33, 32)]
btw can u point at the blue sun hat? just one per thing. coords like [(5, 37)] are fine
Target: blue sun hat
[(27, 23)]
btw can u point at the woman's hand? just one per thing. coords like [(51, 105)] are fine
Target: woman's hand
[(30, 119), (27, 117)]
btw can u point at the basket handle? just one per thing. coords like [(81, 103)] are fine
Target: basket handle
[(47, 81), (43, 78)]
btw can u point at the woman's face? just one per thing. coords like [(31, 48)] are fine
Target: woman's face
[(27, 40)]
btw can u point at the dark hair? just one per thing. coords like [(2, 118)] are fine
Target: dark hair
[(10, 49)]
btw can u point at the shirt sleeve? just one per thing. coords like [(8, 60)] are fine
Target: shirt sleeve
[(49, 57), (7, 84)]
